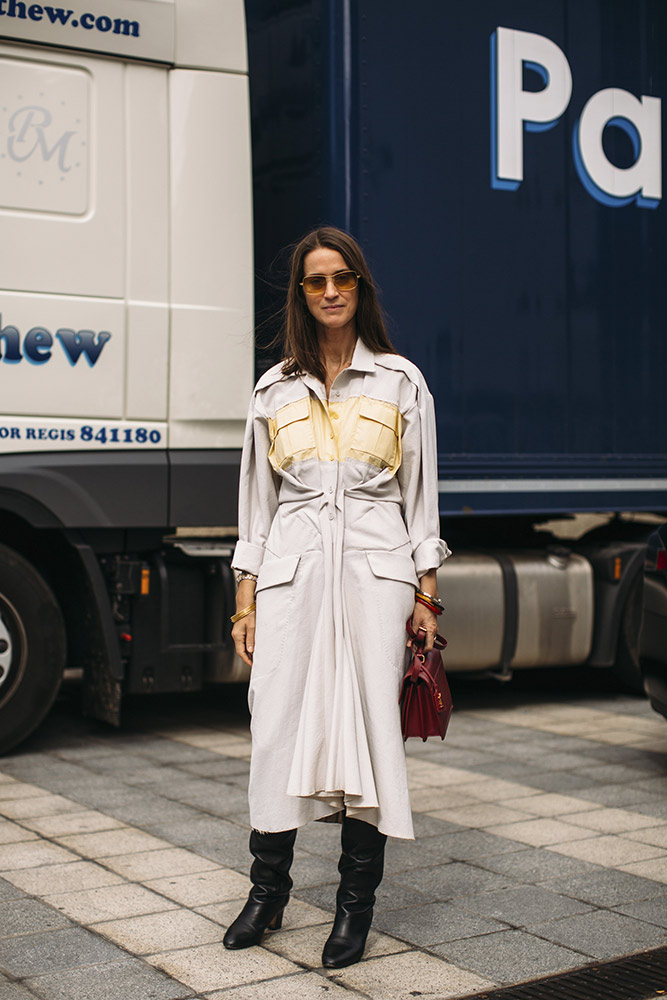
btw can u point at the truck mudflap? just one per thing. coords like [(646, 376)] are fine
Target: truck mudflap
[(655, 685), (618, 569), (103, 674), (654, 623)]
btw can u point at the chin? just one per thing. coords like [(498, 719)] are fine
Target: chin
[(335, 320)]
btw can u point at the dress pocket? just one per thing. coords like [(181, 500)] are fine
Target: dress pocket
[(275, 594), (393, 566), (377, 438), (292, 434), (276, 571)]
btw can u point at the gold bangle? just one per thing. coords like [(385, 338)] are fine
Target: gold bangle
[(242, 614)]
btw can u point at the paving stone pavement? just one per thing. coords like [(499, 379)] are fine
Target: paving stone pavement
[(541, 847)]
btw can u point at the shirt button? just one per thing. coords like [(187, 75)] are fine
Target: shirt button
[(334, 415), (331, 517), (336, 393), (331, 435), (332, 458), (331, 489)]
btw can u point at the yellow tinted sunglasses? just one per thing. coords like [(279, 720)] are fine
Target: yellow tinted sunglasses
[(344, 281)]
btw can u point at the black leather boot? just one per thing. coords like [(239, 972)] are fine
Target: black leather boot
[(271, 884), (361, 865)]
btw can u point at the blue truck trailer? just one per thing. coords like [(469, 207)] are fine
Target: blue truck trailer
[(500, 163)]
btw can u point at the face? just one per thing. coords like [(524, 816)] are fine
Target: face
[(332, 310)]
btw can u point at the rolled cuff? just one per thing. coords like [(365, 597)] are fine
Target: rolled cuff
[(248, 557), (430, 554)]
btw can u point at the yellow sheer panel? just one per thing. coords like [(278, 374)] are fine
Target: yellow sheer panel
[(377, 436), (361, 428), (292, 436)]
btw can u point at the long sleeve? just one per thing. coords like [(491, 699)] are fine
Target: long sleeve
[(258, 493), (418, 479)]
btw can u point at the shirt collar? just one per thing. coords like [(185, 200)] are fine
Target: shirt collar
[(363, 359)]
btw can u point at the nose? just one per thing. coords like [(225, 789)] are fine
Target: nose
[(330, 291)]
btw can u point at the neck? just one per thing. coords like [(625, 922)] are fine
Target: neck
[(337, 346)]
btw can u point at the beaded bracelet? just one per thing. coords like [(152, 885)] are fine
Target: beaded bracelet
[(244, 575)]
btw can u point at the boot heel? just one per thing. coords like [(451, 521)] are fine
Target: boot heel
[(277, 921)]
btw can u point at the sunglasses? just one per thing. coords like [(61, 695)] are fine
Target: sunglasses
[(344, 281)]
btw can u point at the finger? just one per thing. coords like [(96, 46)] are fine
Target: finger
[(241, 650), (250, 636), (422, 638), (426, 635), (239, 637)]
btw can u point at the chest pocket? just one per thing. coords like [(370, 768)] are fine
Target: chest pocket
[(292, 435), (377, 437)]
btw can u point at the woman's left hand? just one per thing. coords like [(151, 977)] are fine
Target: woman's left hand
[(425, 624)]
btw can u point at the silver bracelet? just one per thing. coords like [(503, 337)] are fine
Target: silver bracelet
[(242, 574)]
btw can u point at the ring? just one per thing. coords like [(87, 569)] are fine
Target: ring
[(422, 628)]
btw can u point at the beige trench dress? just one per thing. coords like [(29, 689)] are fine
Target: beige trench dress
[(338, 516)]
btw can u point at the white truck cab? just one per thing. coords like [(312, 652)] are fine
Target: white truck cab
[(126, 343)]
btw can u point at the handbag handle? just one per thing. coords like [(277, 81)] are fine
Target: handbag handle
[(439, 642)]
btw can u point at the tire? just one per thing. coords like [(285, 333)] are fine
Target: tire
[(32, 648), (626, 668)]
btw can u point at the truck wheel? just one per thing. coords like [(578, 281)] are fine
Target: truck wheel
[(627, 668), (32, 648)]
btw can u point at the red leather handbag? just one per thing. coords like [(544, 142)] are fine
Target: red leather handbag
[(425, 700)]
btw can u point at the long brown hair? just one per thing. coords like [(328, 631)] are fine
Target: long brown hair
[(301, 349)]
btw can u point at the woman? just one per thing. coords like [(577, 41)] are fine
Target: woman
[(338, 527)]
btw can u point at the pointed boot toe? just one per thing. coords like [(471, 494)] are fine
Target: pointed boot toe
[(347, 940), (251, 924)]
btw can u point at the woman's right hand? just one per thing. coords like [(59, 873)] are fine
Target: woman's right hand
[(243, 634), (243, 631)]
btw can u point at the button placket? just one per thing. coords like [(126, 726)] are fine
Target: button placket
[(330, 485)]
